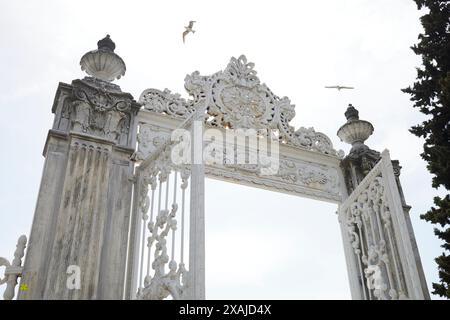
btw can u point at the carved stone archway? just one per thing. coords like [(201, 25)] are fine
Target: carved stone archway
[(382, 263), (114, 205)]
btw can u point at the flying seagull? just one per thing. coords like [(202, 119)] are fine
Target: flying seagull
[(188, 29), (338, 87)]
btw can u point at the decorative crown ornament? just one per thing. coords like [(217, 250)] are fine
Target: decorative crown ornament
[(103, 63)]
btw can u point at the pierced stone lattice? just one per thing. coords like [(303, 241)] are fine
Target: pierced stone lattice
[(169, 278), (369, 223)]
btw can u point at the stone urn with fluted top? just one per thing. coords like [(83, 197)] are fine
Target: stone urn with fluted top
[(103, 63), (355, 131)]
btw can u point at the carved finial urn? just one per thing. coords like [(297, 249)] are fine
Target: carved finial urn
[(103, 63), (355, 131)]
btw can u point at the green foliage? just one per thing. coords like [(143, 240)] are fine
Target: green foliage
[(431, 95)]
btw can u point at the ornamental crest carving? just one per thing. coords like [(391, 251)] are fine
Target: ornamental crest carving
[(236, 99), (101, 109)]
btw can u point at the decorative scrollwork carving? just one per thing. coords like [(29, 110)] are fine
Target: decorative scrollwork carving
[(163, 283), (371, 235), (13, 270), (101, 109), (169, 278), (312, 140), (165, 102), (293, 176), (237, 99)]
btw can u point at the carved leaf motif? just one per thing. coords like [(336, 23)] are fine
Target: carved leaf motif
[(242, 71)]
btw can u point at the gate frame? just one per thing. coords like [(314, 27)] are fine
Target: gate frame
[(164, 111)]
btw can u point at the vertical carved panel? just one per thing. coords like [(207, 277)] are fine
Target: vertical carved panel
[(372, 236), (82, 213), (380, 239)]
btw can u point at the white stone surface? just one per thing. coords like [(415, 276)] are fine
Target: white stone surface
[(379, 237)]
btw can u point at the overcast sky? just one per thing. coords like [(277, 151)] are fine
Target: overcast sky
[(259, 244)]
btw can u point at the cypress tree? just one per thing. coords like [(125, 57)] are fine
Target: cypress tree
[(430, 93)]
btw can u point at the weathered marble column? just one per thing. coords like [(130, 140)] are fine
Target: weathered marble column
[(83, 207)]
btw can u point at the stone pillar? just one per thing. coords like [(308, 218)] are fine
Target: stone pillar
[(83, 207), (196, 274), (406, 208)]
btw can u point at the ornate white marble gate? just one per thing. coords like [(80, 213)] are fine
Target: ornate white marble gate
[(132, 220), (381, 239), (381, 256)]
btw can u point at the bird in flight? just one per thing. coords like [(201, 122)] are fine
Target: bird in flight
[(188, 29), (339, 87)]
